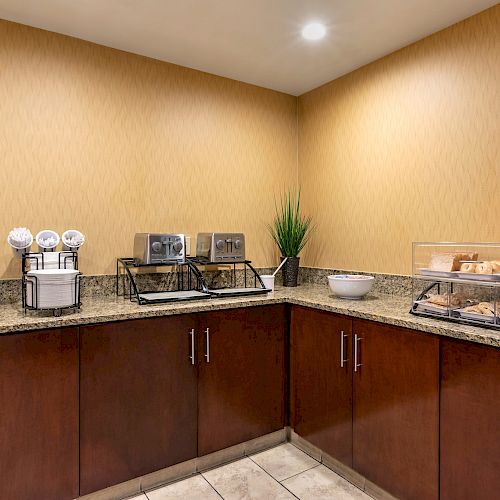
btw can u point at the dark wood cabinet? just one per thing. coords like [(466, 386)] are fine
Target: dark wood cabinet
[(396, 409), (138, 399), (84, 409), (321, 382), (241, 387), (39, 415), (470, 421)]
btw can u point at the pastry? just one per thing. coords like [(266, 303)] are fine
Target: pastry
[(495, 264), (472, 309), (437, 306), (468, 267), (438, 300), (483, 308), (484, 268), (486, 308), (447, 262), (455, 299)]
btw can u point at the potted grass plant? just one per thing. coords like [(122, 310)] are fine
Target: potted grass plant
[(291, 231)]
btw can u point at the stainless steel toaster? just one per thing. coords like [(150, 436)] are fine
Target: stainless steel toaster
[(159, 248), (220, 247)]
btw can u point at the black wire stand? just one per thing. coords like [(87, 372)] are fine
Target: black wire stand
[(190, 283), (30, 283), (252, 282)]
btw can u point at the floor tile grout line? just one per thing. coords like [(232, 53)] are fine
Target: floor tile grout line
[(309, 454), (280, 482), (211, 485), (299, 473), (320, 462), (180, 481), (317, 462), (293, 475), (274, 479)]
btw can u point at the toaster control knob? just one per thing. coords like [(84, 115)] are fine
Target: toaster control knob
[(237, 244), (177, 246), (220, 245), (156, 246)]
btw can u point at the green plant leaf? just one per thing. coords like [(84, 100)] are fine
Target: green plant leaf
[(290, 229)]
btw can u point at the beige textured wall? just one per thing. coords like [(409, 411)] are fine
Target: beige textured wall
[(405, 149), (113, 143)]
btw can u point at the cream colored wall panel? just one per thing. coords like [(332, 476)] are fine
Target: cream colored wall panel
[(405, 149), (112, 144)]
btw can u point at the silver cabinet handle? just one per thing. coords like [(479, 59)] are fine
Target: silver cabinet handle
[(342, 360), (356, 364), (191, 356), (207, 355)]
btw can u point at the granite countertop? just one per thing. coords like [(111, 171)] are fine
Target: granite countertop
[(390, 309)]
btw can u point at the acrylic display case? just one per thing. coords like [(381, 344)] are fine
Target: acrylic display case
[(458, 282)]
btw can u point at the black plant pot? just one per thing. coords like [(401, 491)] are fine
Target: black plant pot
[(290, 271)]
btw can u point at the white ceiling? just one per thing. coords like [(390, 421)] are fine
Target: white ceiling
[(255, 41)]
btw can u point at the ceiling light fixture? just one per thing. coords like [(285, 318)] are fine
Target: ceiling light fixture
[(313, 31)]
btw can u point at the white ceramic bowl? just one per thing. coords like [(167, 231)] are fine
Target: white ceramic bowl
[(350, 286)]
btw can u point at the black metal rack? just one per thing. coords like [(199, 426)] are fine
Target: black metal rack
[(190, 283), (29, 283), (249, 273)]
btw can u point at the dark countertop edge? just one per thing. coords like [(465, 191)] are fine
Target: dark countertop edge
[(438, 327)]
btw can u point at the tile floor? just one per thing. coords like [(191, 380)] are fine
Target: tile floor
[(281, 472)]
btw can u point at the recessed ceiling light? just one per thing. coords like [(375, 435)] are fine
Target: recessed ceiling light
[(314, 31)]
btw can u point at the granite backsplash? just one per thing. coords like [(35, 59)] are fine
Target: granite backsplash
[(105, 285)]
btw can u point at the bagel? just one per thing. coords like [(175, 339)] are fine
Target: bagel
[(468, 267), (485, 308), (484, 268), (496, 266)]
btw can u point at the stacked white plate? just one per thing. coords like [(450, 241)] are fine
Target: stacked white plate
[(52, 287), (51, 261)]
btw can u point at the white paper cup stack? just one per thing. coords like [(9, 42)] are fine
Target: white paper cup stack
[(52, 287)]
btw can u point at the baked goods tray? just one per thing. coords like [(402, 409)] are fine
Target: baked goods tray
[(481, 318), (424, 306), (454, 315), (436, 274), (476, 279), (460, 275)]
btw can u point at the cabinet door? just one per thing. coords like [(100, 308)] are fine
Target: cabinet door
[(470, 421), (137, 399), (242, 385), (396, 410), (39, 415), (322, 381)]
